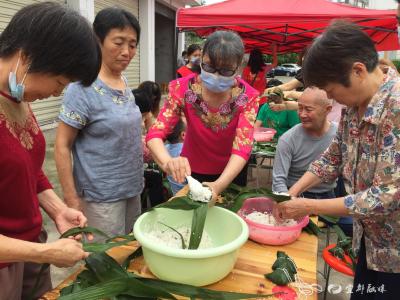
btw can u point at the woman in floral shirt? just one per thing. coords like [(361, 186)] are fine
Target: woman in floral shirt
[(366, 151), (220, 109)]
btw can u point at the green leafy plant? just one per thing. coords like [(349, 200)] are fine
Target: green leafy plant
[(105, 278)]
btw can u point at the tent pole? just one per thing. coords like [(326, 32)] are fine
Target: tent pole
[(274, 55), (175, 58)]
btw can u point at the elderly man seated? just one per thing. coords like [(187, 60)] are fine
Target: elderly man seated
[(303, 144)]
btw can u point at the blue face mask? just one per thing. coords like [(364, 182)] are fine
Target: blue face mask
[(16, 90), (195, 61), (216, 83)]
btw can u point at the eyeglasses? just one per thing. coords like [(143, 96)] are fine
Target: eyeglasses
[(222, 71)]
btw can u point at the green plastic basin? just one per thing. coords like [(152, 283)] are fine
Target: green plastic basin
[(200, 267)]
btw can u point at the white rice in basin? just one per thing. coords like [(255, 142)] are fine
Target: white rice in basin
[(167, 237), (266, 218)]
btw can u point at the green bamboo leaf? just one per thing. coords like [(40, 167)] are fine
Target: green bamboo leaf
[(137, 253), (194, 292), (104, 267), (330, 219), (86, 278), (198, 221), (183, 203), (177, 232), (341, 235), (235, 187), (78, 230), (238, 201), (129, 237), (268, 193), (102, 247), (312, 228), (119, 286)]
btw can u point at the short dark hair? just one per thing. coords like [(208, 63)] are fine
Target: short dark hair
[(332, 55), (114, 17), (184, 52), (256, 61), (174, 136), (55, 39), (224, 48), (193, 48), (148, 94)]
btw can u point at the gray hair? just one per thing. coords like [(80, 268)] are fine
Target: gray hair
[(224, 48), (319, 95)]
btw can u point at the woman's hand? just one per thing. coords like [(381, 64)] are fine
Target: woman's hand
[(293, 209), (215, 191), (62, 253), (178, 168), (69, 218)]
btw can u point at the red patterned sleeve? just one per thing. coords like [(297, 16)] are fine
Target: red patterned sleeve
[(169, 114), (243, 143)]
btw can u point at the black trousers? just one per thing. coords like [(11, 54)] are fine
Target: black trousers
[(241, 179), (374, 285)]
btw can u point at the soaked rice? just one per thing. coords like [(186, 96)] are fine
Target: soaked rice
[(167, 237), (268, 219)]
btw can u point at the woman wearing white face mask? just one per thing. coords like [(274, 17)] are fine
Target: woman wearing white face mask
[(220, 109), (193, 65)]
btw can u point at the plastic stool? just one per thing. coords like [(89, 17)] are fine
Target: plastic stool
[(336, 264)]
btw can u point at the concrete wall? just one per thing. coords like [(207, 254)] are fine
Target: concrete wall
[(164, 49)]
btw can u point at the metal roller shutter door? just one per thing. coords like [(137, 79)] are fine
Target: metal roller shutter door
[(132, 73), (46, 111)]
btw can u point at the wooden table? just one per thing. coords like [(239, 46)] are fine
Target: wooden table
[(248, 274)]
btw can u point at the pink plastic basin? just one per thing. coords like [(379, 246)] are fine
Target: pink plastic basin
[(262, 134), (266, 234)]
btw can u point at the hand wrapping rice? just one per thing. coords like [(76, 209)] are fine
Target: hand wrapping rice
[(198, 192)]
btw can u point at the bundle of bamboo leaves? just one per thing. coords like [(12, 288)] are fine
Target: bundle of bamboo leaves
[(104, 278), (344, 247), (284, 270)]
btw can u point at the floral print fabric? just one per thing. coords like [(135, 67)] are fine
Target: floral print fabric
[(23, 133), (212, 132), (367, 153)]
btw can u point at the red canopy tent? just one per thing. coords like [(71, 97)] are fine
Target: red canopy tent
[(289, 24)]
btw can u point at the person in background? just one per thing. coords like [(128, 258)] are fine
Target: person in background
[(301, 145), (148, 97), (100, 126), (385, 63), (281, 121), (193, 65), (38, 58), (255, 73), (174, 148), (366, 151), (183, 60), (220, 109)]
